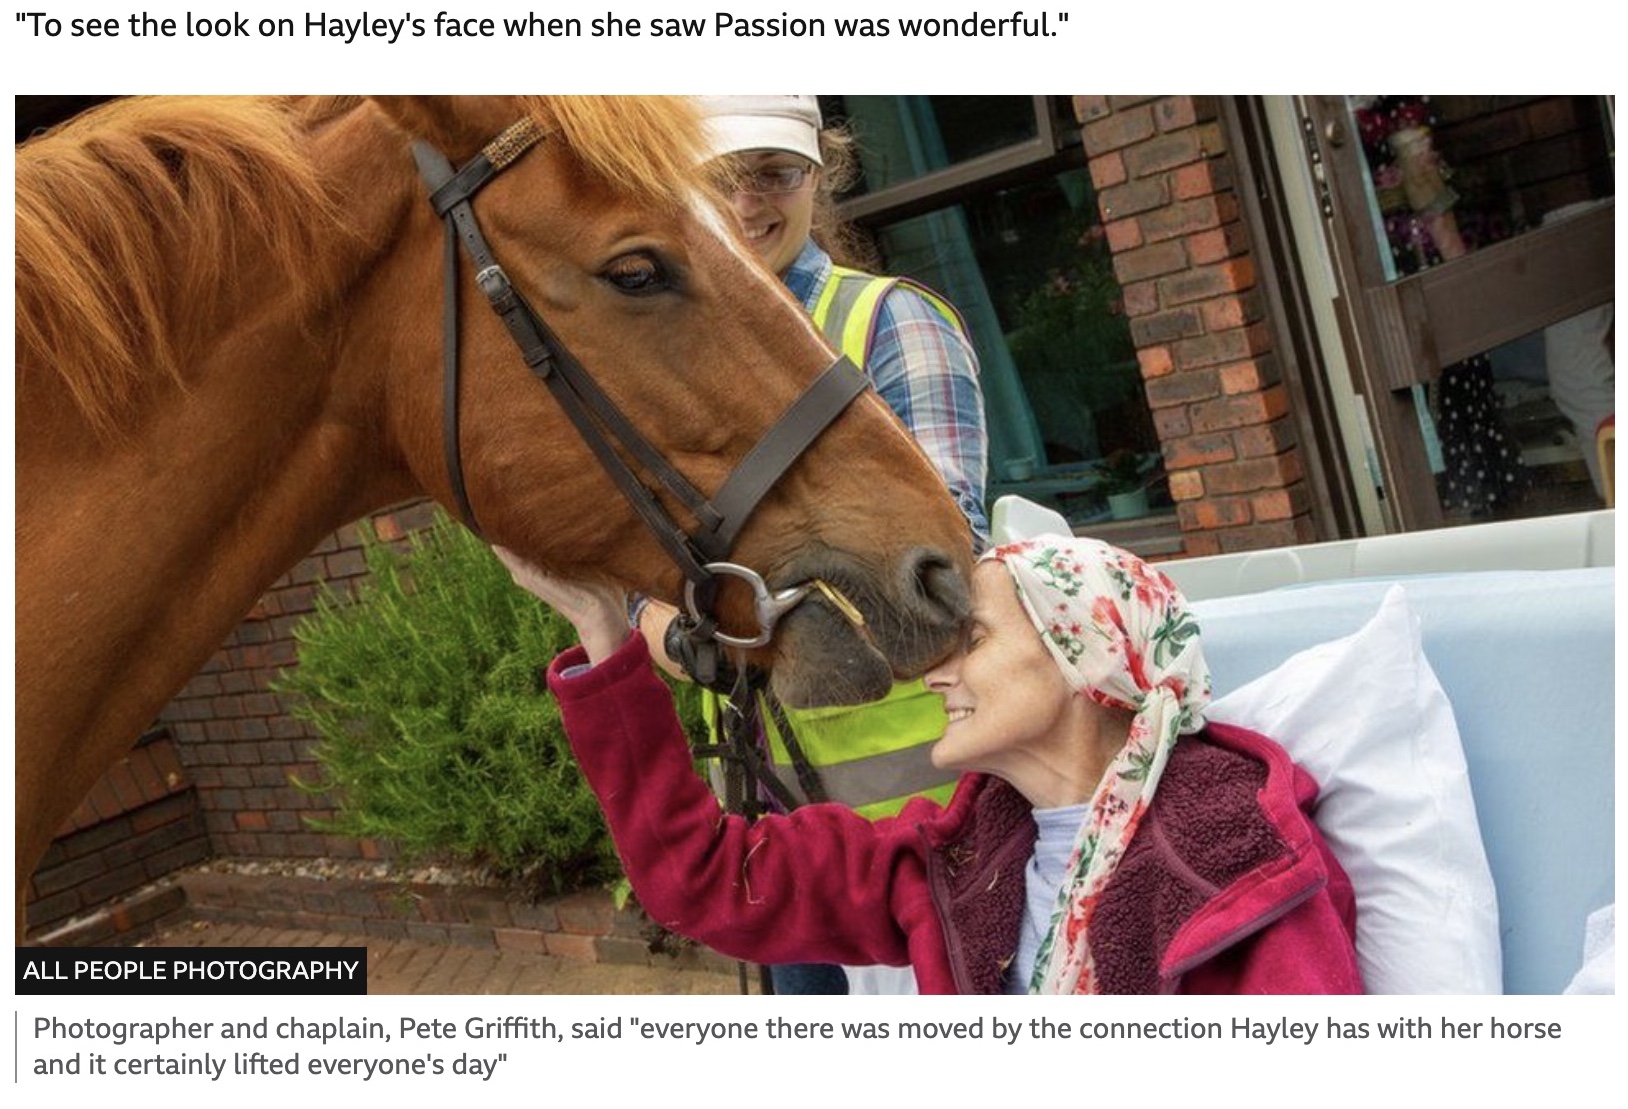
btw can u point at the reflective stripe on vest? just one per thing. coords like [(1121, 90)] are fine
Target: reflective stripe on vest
[(848, 306), (874, 757)]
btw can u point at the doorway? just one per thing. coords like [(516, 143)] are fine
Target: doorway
[(1472, 248)]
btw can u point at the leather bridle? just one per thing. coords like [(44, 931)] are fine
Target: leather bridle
[(702, 552)]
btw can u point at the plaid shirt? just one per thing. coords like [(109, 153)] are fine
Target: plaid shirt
[(927, 372)]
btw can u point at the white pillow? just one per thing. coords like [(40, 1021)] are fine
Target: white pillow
[(1366, 717)]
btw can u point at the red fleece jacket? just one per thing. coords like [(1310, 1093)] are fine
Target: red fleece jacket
[(1227, 886)]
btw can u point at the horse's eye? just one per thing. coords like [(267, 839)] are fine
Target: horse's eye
[(637, 275)]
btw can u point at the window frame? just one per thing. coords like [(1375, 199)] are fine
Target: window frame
[(944, 187), (1056, 147)]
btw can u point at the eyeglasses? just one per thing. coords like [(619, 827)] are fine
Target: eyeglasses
[(771, 180)]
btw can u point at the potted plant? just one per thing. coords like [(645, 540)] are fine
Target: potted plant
[(1120, 477)]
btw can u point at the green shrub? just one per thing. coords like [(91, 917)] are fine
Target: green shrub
[(437, 731)]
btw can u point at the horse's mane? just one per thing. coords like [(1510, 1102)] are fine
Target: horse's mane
[(99, 207), (126, 218), (648, 147)]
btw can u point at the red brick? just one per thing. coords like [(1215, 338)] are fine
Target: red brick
[(1171, 423), (1087, 108), (519, 939), (1214, 513), (1241, 377), (172, 808), (1197, 179), (1174, 112), (438, 906), (1154, 361), (1150, 261), (1264, 439), (1252, 474), (1272, 505), (1238, 310), (1198, 450), (298, 599), (121, 779), (1204, 282), (1186, 485), (47, 881), (1213, 349), (343, 564), (1200, 544), (1187, 217), (587, 913), (1140, 298), (1181, 388), (1163, 153), (168, 763), (386, 528), (1123, 235), (571, 946), (202, 685), (631, 921), (471, 935), (1118, 130), (1133, 197), (1212, 139), (1275, 533), (488, 909), (1167, 326), (1206, 247), (537, 917), (1108, 170), (1240, 411)]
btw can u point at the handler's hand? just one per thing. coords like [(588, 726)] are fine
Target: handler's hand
[(598, 612)]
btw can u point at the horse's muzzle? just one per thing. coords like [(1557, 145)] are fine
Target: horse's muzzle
[(824, 657)]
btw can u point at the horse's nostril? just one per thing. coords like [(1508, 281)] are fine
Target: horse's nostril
[(940, 590)]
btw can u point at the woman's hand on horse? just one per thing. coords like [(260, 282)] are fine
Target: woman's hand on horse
[(598, 612)]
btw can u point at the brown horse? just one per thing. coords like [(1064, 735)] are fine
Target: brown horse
[(228, 345)]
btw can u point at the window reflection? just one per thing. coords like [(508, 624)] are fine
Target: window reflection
[(1510, 432), (903, 137), (1451, 174)]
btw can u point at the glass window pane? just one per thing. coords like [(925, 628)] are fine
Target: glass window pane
[(1517, 428), (1447, 175), (903, 137), (1029, 268)]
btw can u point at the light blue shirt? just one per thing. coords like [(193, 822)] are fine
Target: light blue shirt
[(1042, 879)]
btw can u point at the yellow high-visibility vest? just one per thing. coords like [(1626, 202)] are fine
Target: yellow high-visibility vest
[(873, 757)]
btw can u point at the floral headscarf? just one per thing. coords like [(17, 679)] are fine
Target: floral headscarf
[(1121, 634)]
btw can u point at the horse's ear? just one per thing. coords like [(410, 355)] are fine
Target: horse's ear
[(457, 125)]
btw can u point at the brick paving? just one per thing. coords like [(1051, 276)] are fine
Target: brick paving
[(398, 966)]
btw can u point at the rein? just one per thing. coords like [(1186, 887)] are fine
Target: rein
[(700, 553)]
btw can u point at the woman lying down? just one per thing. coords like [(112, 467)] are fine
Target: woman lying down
[(1103, 839)]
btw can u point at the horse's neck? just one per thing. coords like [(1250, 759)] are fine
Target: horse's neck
[(136, 558)]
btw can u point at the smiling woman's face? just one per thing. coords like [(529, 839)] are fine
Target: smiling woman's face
[(1002, 689), (776, 225)]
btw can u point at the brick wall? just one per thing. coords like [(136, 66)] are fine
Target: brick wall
[(1528, 155), (140, 822), (236, 739), (1164, 181), (216, 775)]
